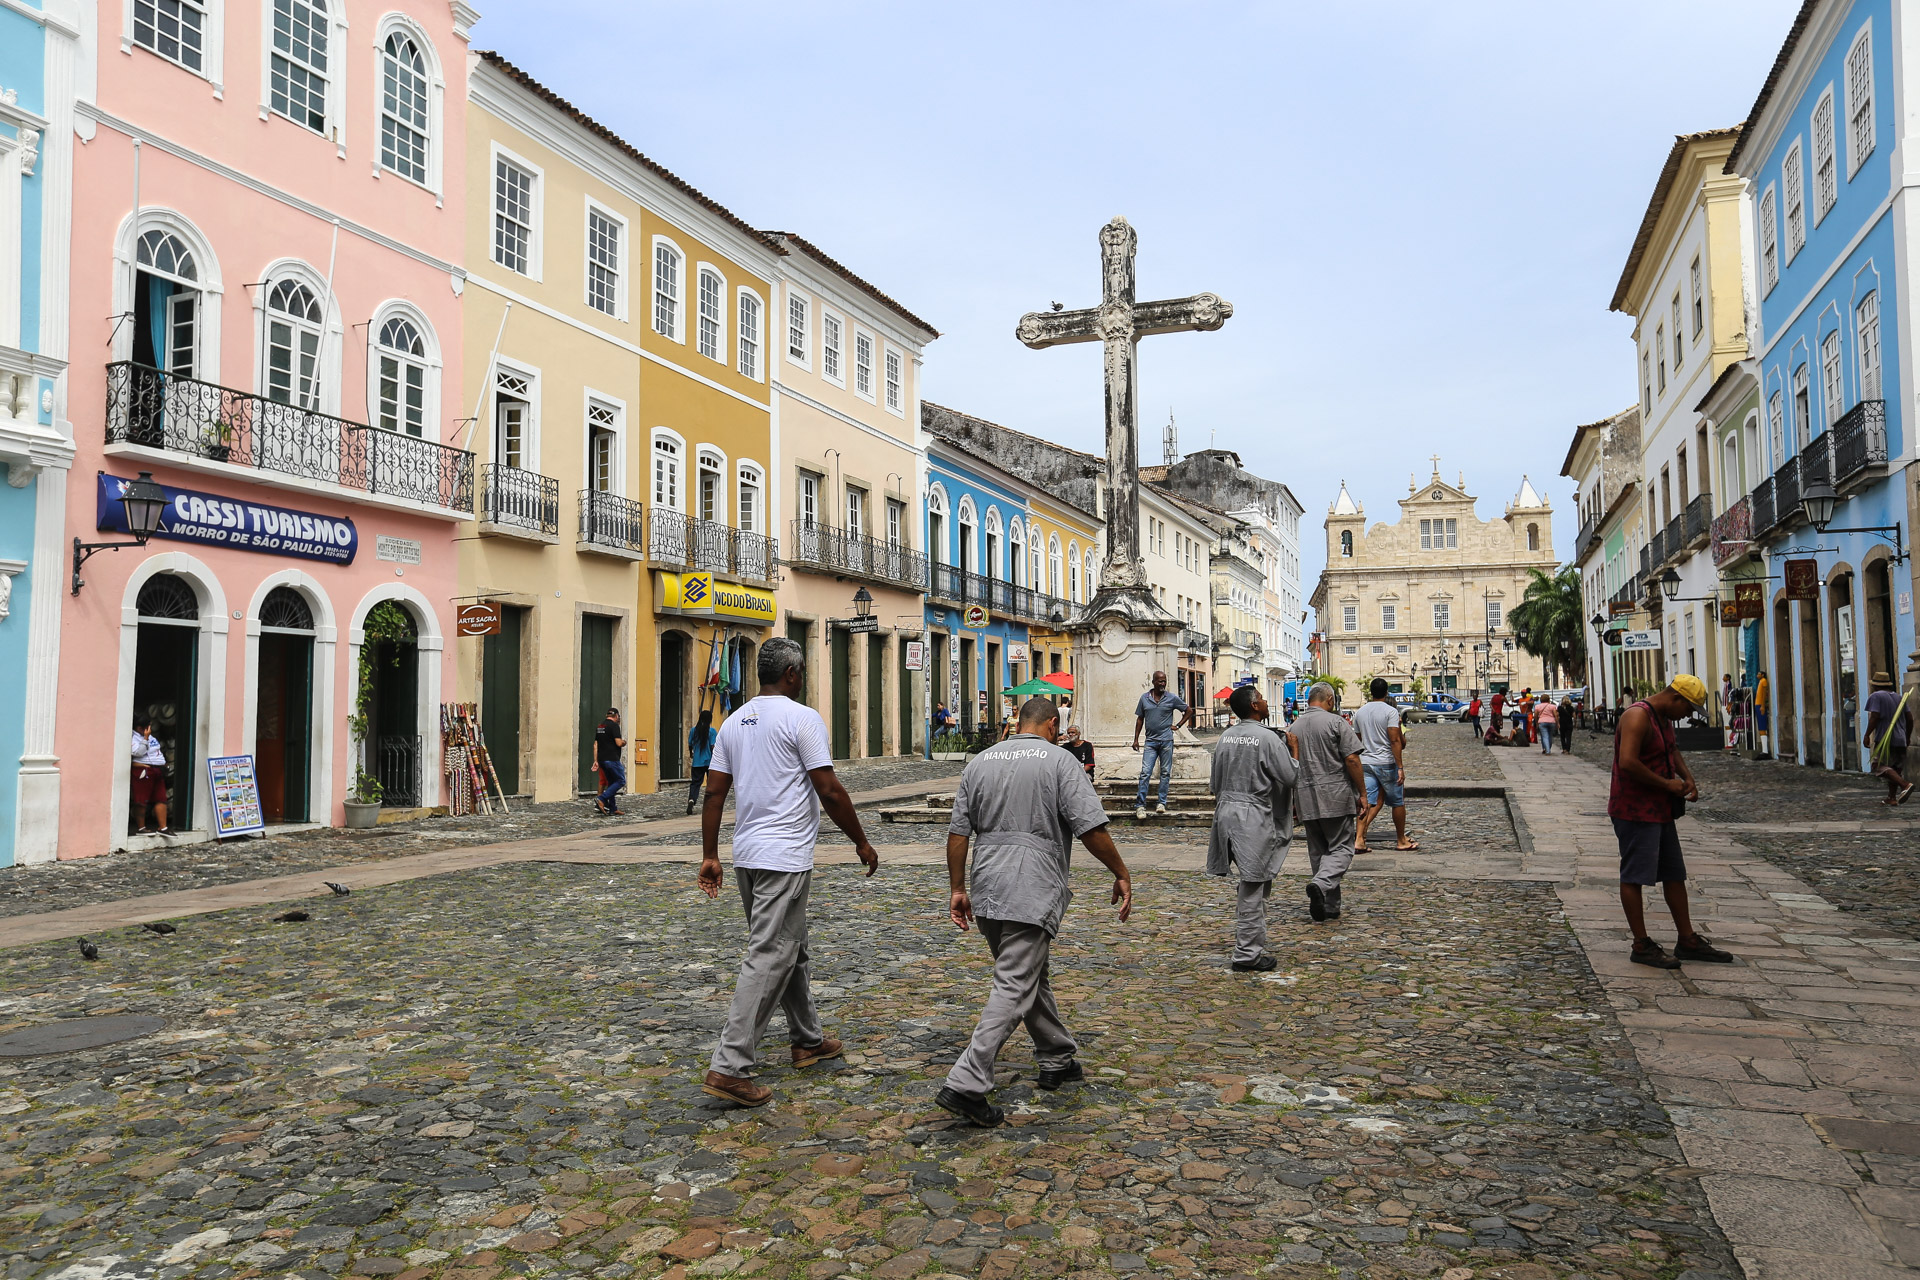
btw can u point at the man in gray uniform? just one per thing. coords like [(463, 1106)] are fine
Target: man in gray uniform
[(1331, 792), (1023, 801), (1253, 777)]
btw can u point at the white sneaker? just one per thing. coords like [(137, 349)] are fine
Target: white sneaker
[(1160, 808), (1139, 815)]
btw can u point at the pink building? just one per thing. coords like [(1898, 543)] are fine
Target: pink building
[(266, 243)]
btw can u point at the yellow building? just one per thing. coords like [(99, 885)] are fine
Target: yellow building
[(849, 482), (1066, 563), (617, 362)]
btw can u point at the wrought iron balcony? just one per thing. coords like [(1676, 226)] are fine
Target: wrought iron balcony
[(1860, 445), (1786, 493), (952, 585), (1194, 641), (1699, 521), (511, 498), (822, 549), (1761, 513), (1733, 533), (1646, 559), (195, 419), (1816, 460), (755, 555), (610, 522), (680, 541), (1657, 549), (1589, 530)]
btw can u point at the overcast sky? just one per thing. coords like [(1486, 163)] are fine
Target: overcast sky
[(1418, 211)]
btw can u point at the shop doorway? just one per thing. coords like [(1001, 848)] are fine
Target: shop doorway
[(501, 655), (840, 691), (1846, 742), (876, 695), (969, 683), (393, 721), (942, 693), (676, 650), (996, 710), (166, 687), (596, 693), (1786, 727), (1813, 694), (1876, 621), (283, 708), (904, 697), (801, 633)]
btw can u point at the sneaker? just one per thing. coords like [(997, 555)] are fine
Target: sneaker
[(1140, 813), (600, 809), (970, 1106), (1259, 965), (807, 1055), (1072, 1073), (689, 808), (1316, 901), (168, 832), (1160, 808), (1701, 949), (739, 1089), (1648, 952)]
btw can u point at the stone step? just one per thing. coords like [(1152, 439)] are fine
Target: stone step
[(1113, 803), (920, 815)]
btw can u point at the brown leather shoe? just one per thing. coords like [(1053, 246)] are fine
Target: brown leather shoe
[(738, 1089), (806, 1055)]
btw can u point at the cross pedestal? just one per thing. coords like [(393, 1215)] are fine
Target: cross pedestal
[(1116, 650)]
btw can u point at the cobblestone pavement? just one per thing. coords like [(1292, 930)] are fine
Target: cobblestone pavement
[(59, 885), (1875, 875), (1447, 749), (494, 1074)]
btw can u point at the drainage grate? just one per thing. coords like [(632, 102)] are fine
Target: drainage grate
[(75, 1034)]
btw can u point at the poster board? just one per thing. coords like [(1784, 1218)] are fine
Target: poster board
[(236, 796)]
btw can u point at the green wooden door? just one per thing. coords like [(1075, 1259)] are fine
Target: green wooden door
[(596, 692), (500, 698), (876, 695), (676, 651), (840, 691)]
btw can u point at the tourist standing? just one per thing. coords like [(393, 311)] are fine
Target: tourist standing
[(1021, 803), (1383, 762), (699, 755), (1545, 716), (776, 748), (1891, 719), (607, 746), (1473, 717), (1762, 722), (1329, 792), (149, 779), (1156, 714), (1651, 785), (1252, 782)]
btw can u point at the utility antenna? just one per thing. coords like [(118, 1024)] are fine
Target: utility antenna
[(1170, 441)]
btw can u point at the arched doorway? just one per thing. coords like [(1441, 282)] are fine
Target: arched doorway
[(391, 651), (1813, 693), (675, 654), (1841, 625), (283, 728), (1878, 650), (166, 685), (1786, 732)]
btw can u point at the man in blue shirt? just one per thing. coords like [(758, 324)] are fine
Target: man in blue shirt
[(1156, 714), (700, 755)]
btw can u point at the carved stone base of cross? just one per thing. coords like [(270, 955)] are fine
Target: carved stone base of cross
[(1116, 650)]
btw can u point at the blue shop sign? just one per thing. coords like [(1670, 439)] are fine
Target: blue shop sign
[(213, 520)]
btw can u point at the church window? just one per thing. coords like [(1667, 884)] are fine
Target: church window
[(1350, 617), (1388, 620), (1442, 615)]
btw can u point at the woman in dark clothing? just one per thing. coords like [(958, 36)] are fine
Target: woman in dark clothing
[(700, 754)]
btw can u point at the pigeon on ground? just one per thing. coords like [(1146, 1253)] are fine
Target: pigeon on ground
[(88, 950), (291, 917), (157, 926), (339, 890)]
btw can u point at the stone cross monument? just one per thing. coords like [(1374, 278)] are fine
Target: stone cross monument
[(1126, 634)]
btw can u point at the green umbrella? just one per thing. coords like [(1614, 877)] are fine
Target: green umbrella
[(1034, 688)]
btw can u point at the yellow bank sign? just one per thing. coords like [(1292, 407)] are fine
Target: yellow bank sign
[(701, 595)]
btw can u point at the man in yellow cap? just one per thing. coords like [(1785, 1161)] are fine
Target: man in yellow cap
[(1651, 787)]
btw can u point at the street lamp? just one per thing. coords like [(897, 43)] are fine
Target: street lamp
[(1670, 584), (144, 501), (1817, 500), (862, 602)]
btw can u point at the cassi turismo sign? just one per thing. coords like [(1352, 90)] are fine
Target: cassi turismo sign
[(214, 520), (700, 595)]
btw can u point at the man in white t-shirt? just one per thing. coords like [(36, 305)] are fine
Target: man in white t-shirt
[(775, 749), (1382, 759)]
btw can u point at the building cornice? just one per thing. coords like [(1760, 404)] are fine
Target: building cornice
[(1684, 172), (1781, 91)]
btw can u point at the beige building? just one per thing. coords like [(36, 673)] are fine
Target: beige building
[(1427, 596)]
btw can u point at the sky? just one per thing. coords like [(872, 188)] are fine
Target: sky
[(1419, 212)]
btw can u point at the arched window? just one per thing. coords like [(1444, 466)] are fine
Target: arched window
[(991, 561), (1092, 582), (1033, 554), (666, 290), (401, 355), (403, 108), (293, 345), (749, 334), (968, 525), (1533, 537), (1346, 542), (1053, 565), (285, 609), (710, 496), (166, 305), (1073, 572), (1017, 552), (749, 498), (937, 526), (666, 471)]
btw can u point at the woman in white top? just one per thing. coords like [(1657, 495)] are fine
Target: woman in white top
[(149, 778)]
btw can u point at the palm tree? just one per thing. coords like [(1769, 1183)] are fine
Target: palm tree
[(1547, 622)]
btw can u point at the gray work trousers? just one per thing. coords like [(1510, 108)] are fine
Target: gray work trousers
[(773, 970), (1021, 993), (1250, 919), (1330, 852)]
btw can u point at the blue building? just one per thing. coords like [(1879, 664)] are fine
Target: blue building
[(38, 55), (972, 507), (1832, 249)]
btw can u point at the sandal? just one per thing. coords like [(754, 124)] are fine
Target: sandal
[(1412, 846)]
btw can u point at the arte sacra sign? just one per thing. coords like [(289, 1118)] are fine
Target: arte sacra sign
[(214, 520)]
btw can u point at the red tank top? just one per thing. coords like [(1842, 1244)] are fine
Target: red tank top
[(1635, 801)]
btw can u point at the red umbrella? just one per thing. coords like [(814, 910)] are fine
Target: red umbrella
[(1060, 678), (1224, 693)]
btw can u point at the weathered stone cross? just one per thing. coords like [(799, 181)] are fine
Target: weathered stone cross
[(1120, 323)]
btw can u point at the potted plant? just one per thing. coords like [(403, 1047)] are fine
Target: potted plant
[(217, 440), (363, 801), (949, 745)]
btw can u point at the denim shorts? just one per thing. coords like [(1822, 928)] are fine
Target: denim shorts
[(1649, 852), (1381, 781)]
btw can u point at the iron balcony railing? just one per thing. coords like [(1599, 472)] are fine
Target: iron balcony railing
[(952, 585), (519, 499), (1194, 641), (755, 555), (823, 548), (1698, 521), (1761, 505), (1589, 528), (1860, 443), (397, 769), (1646, 559), (1657, 549), (609, 520), (1786, 491), (1816, 460), (203, 419), (683, 542)]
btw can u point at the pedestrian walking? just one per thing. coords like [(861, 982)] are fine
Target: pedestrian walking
[(149, 781), (1156, 714), (1520, 712), (607, 747), (1473, 717), (776, 748), (699, 755), (1081, 750), (1889, 728), (1020, 806), (1569, 712), (1545, 717), (1383, 762), (1650, 789), (1253, 777), (1762, 722), (1328, 795)]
